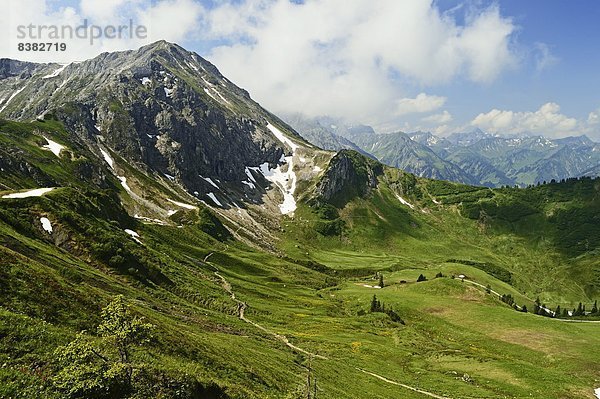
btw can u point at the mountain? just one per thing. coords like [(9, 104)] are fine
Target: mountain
[(473, 157), (439, 145), (142, 191), (398, 150), (314, 131), (484, 172), (533, 159), (395, 149), (465, 139), (163, 113), (496, 161), (593, 171)]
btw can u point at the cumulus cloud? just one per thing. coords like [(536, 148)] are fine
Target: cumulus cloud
[(594, 117), (420, 104), (439, 119), (546, 120), (172, 20), (101, 10), (351, 59)]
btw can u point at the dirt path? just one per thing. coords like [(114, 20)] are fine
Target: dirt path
[(548, 310), (242, 309), (241, 314), (432, 395)]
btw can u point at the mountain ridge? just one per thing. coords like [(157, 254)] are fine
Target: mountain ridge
[(475, 157)]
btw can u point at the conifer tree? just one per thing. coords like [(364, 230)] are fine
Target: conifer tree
[(381, 280), (595, 308), (374, 304)]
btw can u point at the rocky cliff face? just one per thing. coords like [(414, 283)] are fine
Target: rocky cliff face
[(349, 175)]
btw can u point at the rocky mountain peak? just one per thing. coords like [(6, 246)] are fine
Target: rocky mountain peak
[(166, 113)]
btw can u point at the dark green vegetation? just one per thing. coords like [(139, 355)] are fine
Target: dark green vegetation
[(316, 289)]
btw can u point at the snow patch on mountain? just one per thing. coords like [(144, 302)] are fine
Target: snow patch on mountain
[(181, 204), (405, 202), (108, 159), (31, 193), (46, 225), (56, 72), (210, 181), (249, 184), (286, 181), (53, 146), (123, 181), (214, 199), (282, 137), (11, 97), (133, 235)]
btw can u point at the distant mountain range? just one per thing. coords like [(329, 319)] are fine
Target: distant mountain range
[(473, 157)]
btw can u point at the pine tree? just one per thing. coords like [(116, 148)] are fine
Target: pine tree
[(579, 311), (488, 289), (374, 304), (381, 280), (524, 309), (421, 278), (565, 312), (595, 308), (557, 311)]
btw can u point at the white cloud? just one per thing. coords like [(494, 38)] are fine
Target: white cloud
[(543, 57), (100, 10), (171, 20), (350, 59), (420, 104), (594, 117), (439, 119), (547, 120)]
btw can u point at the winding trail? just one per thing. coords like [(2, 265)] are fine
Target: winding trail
[(432, 395), (548, 310), (241, 308)]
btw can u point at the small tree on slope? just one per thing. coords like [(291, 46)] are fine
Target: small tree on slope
[(103, 368)]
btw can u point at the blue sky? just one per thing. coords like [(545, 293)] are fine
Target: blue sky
[(571, 30), (508, 66)]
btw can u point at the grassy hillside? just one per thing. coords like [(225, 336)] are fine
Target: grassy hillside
[(306, 306)]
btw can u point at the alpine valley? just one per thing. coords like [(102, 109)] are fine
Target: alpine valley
[(143, 190)]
